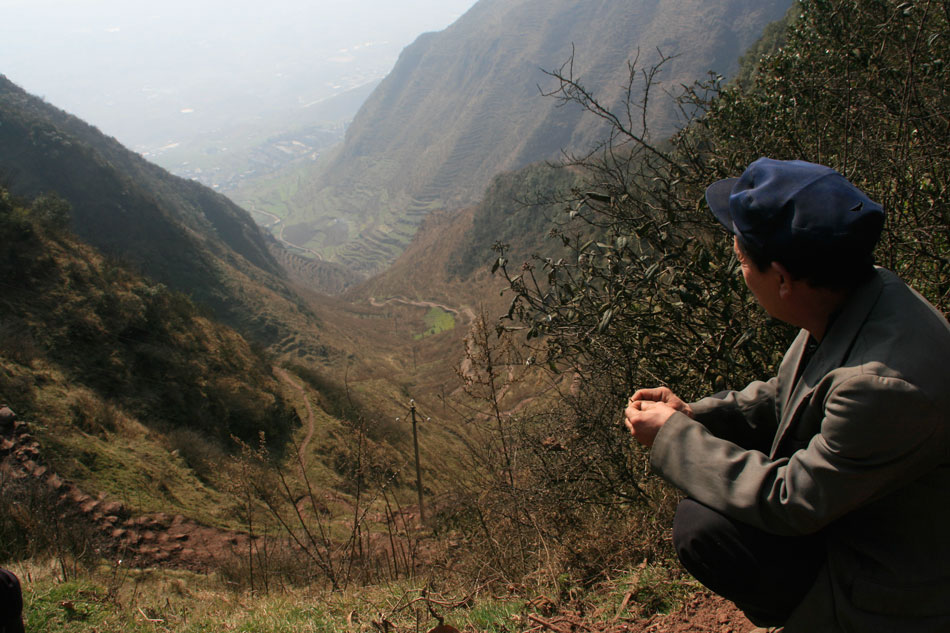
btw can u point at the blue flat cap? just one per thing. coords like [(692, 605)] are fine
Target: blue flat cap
[(785, 207)]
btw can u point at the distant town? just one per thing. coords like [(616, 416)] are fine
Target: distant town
[(216, 168)]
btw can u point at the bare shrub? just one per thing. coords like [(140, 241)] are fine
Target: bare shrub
[(554, 494), (300, 536), (35, 523), (202, 454)]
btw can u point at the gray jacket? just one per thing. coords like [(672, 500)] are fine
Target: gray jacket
[(858, 449)]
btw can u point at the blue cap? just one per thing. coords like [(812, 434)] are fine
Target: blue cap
[(792, 207)]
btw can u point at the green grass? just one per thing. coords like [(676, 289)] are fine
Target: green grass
[(651, 589), (114, 599), (130, 601), (117, 600), (437, 320), (138, 471), (494, 616)]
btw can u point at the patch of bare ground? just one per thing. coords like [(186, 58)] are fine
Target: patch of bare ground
[(703, 613)]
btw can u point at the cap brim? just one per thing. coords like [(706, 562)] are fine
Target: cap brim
[(717, 196)]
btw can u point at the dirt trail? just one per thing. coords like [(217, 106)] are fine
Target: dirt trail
[(302, 449), (142, 540), (468, 312)]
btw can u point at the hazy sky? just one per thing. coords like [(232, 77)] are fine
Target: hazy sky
[(148, 71)]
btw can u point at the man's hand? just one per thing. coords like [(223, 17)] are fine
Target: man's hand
[(664, 395), (648, 410)]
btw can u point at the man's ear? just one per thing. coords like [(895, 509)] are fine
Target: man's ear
[(784, 279)]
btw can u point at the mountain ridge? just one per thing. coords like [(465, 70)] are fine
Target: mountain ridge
[(463, 104), (173, 230)]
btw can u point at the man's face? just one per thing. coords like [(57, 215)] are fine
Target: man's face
[(763, 284)]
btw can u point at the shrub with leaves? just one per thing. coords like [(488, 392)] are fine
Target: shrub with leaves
[(647, 290)]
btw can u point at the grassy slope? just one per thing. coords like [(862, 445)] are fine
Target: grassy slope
[(115, 372)]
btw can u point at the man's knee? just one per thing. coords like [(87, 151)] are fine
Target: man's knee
[(765, 574), (697, 531)]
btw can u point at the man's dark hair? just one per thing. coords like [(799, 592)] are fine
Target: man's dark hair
[(832, 270)]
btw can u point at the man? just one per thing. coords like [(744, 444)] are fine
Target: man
[(818, 500)]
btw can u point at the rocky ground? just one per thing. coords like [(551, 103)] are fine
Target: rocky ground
[(704, 613)]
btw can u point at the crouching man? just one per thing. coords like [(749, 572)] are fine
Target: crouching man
[(818, 500)]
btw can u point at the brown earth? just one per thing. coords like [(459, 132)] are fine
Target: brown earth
[(703, 613)]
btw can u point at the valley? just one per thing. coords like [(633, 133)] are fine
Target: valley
[(360, 367)]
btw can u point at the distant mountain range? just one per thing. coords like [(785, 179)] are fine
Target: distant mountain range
[(463, 105)]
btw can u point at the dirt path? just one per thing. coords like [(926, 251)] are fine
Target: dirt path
[(279, 221), (137, 540), (302, 449), (468, 313)]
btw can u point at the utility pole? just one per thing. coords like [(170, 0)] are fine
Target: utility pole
[(415, 442)]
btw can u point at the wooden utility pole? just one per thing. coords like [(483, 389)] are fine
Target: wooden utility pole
[(415, 442)]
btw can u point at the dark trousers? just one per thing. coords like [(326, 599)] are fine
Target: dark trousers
[(764, 574), (11, 603)]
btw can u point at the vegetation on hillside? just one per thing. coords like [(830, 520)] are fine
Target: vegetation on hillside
[(648, 290), (143, 348), (130, 389), (518, 209), (175, 231)]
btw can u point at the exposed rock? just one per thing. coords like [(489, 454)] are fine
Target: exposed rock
[(7, 418)]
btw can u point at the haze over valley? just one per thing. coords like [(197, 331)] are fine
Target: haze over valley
[(192, 84)]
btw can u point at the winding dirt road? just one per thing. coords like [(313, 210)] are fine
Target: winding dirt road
[(279, 221), (302, 449), (468, 313)]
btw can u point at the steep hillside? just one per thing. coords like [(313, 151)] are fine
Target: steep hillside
[(173, 230), (463, 104), (118, 371)]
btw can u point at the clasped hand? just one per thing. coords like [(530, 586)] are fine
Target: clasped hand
[(649, 409)]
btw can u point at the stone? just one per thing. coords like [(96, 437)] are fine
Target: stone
[(7, 418)]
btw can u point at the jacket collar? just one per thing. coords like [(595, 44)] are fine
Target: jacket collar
[(830, 355)]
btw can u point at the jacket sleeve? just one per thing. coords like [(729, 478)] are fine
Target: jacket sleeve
[(876, 434), (747, 418)]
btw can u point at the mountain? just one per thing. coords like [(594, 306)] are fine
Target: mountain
[(173, 230), (463, 104), (112, 365)]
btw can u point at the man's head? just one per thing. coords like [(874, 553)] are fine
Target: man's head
[(807, 217)]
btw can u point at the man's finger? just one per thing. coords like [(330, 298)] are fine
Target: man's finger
[(653, 394)]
